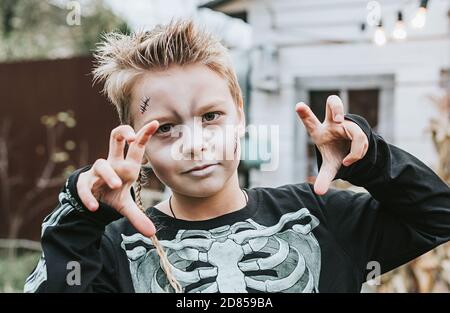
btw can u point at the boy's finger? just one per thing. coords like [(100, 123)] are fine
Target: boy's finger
[(119, 136), (85, 194), (103, 169), (324, 179), (334, 109), (307, 116), (138, 219), (137, 148), (359, 144)]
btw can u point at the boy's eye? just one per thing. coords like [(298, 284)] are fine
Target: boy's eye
[(164, 128), (210, 116)]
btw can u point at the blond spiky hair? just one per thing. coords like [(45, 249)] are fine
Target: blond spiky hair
[(121, 58)]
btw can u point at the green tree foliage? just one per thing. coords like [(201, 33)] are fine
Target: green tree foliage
[(36, 29)]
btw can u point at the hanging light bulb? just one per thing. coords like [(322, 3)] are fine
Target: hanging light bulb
[(421, 16), (399, 32), (379, 37)]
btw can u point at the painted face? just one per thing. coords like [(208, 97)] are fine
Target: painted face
[(196, 149)]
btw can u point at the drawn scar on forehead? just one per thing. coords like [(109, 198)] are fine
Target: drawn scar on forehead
[(145, 102)]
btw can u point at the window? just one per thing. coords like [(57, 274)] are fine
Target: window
[(364, 102)]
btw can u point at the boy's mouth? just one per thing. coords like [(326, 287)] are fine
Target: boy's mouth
[(200, 168)]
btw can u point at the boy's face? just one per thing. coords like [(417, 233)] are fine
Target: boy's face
[(199, 125)]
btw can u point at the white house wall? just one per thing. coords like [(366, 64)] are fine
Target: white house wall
[(415, 64)]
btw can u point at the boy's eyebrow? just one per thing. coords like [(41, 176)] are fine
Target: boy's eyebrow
[(209, 105), (202, 108)]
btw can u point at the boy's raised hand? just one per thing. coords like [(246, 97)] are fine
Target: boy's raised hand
[(340, 142), (110, 180)]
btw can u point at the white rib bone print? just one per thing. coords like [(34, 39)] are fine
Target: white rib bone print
[(233, 258)]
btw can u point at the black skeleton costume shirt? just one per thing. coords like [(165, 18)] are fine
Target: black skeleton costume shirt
[(286, 239)]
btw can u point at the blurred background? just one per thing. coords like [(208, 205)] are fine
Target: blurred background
[(389, 60)]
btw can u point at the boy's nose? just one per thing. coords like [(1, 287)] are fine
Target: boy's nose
[(194, 142)]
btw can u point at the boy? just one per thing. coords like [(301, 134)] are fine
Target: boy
[(167, 85)]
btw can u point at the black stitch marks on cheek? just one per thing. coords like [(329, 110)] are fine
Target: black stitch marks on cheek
[(145, 102)]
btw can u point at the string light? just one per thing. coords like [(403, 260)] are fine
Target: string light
[(399, 32), (420, 18), (379, 37)]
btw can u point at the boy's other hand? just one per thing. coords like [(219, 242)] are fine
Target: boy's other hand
[(340, 142), (111, 180)]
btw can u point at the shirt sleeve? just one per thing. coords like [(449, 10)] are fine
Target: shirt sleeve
[(405, 214), (76, 254)]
